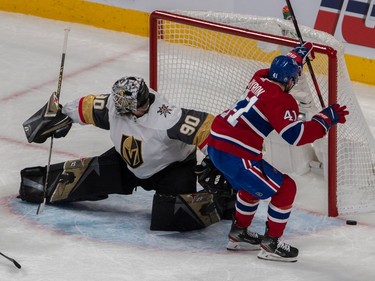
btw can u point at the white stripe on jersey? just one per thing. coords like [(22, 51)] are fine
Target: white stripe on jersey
[(240, 143)]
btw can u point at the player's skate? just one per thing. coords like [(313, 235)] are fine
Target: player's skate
[(275, 250), (240, 239)]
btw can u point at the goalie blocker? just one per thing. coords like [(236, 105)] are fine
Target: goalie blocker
[(87, 179), (46, 122)]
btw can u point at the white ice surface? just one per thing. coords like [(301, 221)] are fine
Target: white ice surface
[(111, 240)]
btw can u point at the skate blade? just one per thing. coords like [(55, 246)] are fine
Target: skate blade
[(242, 246), (263, 255)]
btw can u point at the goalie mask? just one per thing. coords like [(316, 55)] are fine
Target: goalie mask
[(129, 94)]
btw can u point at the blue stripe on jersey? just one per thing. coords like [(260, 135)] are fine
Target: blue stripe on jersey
[(257, 121), (293, 133)]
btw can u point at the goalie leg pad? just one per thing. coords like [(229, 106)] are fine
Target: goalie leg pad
[(32, 184), (62, 180), (225, 205), (183, 212), (78, 180), (73, 171)]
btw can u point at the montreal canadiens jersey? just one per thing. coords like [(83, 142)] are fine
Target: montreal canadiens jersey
[(262, 108), (147, 144)]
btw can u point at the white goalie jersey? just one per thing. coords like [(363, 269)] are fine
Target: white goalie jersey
[(148, 144)]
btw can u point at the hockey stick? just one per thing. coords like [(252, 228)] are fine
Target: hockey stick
[(42, 205), (12, 260), (311, 70)]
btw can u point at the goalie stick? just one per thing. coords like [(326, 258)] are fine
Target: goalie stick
[(12, 260), (56, 101), (308, 62)]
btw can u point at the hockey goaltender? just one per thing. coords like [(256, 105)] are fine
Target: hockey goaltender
[(155, 145)]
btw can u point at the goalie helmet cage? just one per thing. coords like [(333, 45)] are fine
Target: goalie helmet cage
[(204, 60)]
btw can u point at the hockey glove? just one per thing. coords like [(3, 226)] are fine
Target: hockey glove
[(48, 121), (211, 179), (300, 53), (331, 115)]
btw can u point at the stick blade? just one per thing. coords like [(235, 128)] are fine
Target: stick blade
[(12, 260), (17, 264)]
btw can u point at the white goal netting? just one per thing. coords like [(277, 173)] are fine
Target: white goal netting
[(208, 67)]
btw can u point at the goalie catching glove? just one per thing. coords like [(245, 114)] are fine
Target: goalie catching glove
[(211, 179), (48, 121)]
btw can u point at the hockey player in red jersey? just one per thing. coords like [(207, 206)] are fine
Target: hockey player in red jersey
[(235, 147), (155, 147)]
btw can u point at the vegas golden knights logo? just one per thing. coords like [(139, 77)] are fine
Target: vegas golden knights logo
[(131, 151)]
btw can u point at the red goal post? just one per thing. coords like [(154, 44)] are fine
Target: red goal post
[(203, 60)]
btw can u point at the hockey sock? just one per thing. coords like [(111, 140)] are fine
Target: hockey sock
[(246, 206), (280, 207)]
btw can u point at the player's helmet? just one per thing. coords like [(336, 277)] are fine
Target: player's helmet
[(129, 93), (283, 68)]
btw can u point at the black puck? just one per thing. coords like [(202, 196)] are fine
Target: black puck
[(351, 222)]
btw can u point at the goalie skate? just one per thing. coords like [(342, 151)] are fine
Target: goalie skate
[(275, 250), (240, 239)]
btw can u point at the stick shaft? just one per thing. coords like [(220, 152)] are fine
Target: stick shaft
[(62, 62), (65, 44), (308, 62)]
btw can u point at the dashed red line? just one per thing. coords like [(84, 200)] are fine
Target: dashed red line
[(22, 93), (18, 94), (38, 147)]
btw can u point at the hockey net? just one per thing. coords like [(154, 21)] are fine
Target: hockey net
[(204, 60)]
